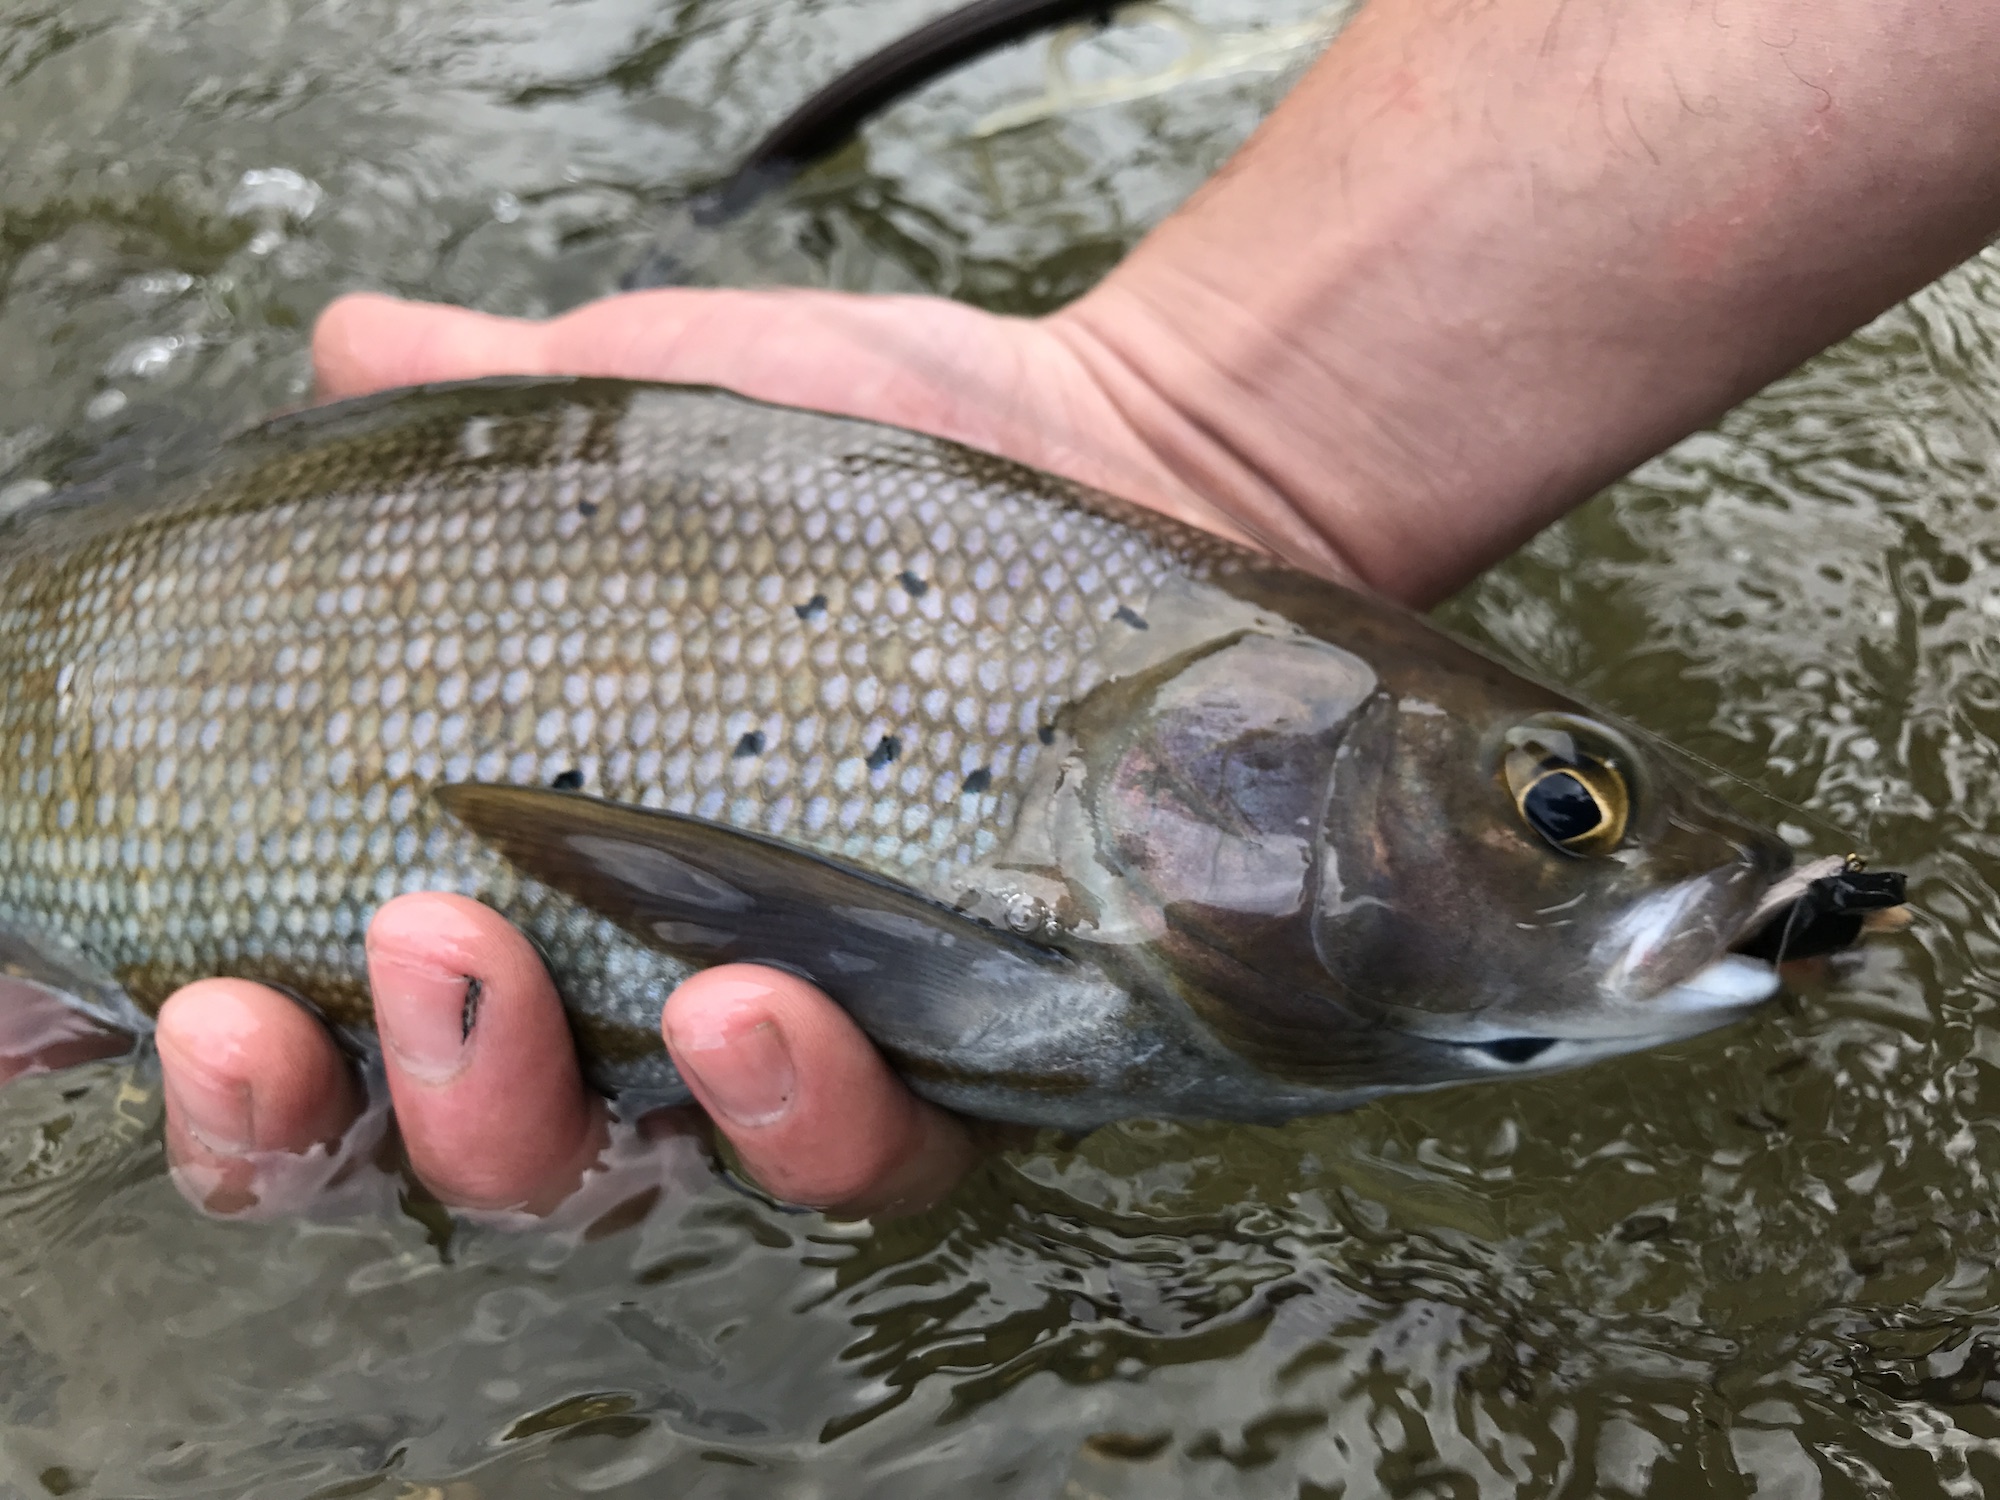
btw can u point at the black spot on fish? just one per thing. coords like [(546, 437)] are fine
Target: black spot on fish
[(882, 754), (978, 781), (812, 609), (752, 743), (915, 586), (1046, 734), (586, 508), (1129, 617), (568, 781)]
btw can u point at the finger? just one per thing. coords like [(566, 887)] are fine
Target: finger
[(814, 1113), (922, 362), (484, 1076), (367, 342), (248, 1077), (888, 358), (40, 1032)]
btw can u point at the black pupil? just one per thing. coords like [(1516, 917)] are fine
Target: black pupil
[(1561, 808)]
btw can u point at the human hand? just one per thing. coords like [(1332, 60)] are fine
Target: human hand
[(1086, 392), (498, 1117), (257, 1093)]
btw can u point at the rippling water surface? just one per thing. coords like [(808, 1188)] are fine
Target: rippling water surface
[(1760, 1263)]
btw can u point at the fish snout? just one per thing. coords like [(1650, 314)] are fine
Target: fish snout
[(1667, 958)]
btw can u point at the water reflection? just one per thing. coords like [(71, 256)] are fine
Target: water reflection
[(1757, 1263)]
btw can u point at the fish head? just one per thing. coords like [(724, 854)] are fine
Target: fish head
[(1396, 872), (1531, 884)]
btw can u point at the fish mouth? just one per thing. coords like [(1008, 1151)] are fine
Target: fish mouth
[(1724, 992), (1816, 909)]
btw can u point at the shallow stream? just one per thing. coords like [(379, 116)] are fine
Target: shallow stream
[(1763, 1263)]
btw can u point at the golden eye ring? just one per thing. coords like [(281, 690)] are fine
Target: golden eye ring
[(1575, 799)]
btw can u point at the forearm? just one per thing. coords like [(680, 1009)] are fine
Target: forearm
[(1488, 257)]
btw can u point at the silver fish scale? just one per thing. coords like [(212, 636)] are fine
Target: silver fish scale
[(226, 704)]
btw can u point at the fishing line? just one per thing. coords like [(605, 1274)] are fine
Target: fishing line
[(1825, 825)]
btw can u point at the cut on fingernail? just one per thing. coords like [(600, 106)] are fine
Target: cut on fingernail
[(468, 1010), (740, 1069), (427, 1016)]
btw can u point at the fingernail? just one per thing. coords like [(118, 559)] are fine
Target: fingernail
[(426, 1015), (219, 1112), (738, 1064)]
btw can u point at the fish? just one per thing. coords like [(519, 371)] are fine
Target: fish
[(1082, 813), (829, 117)]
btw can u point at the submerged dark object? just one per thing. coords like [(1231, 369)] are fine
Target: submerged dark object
[(1082, 813), (827, 120)]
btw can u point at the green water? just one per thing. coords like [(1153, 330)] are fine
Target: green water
[(1762, 1264)]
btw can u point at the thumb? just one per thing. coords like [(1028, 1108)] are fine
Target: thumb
[(814, 1113)]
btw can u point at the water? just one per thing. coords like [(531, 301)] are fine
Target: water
[(1759, 1263)]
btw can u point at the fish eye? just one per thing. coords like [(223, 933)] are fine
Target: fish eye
[(1567, 783)]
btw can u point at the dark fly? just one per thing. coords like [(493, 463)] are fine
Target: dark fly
[(1828, 915)]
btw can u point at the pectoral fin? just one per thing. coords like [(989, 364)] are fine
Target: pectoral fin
[(935, 988), (713, 894)]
